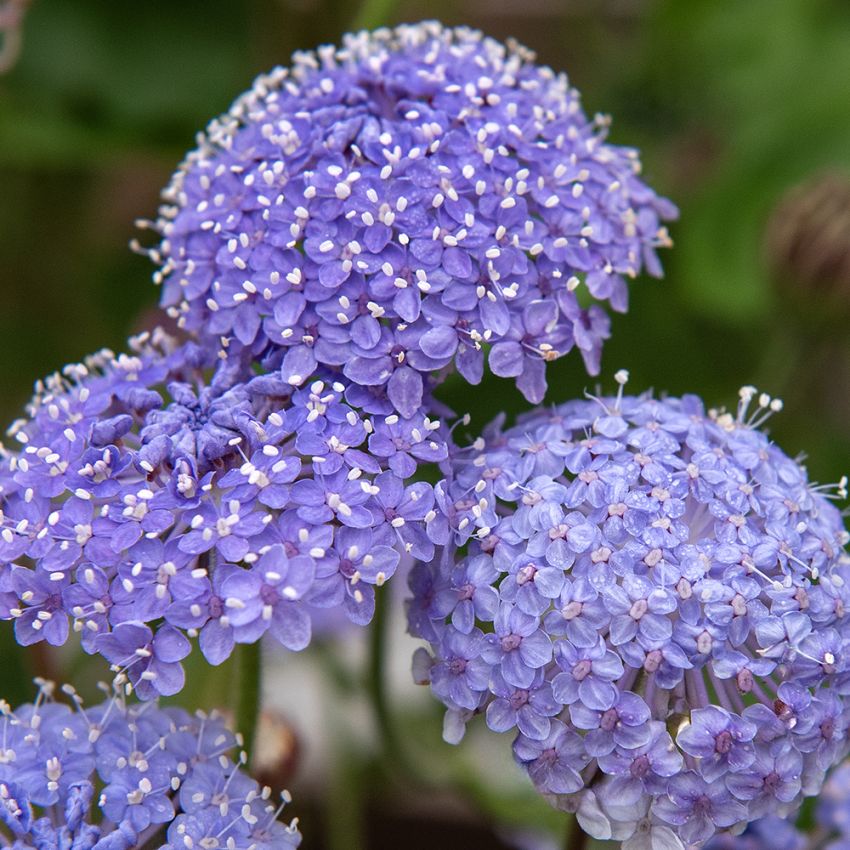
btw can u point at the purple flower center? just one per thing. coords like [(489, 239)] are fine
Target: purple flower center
[(827, 728), (216, 607), (702, 805), (346, 567), (609, 719), (511, 642), (466, 592), (581, 670), (652, 661), (549, 756), (518, 699), (772, 781), (457, 666), (489, 543), (571, 610), (559, 532), (526, 574), (269, 594), (745, 681), (220, 798), (723, 742), (785, 713), (640, 767)]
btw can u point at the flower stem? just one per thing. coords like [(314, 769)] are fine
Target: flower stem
[(377, 668), (373, 14), (20, 666), (576, 837), (377, 684), (249, 692)]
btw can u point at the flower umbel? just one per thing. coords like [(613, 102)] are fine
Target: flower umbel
[(654, 589), (400, 203), (830, 830), (158, 496), (166, 776)]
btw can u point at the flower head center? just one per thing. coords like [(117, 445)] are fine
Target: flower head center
[(518, 699), (526, 574), (582, 670), (609, 720), (723, 742), (511, 642), (640, 767)]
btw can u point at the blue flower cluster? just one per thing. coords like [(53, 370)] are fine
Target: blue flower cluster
[(410, 200), (770, 833), (118, 776), (830, 830), (655, 598), (153, 497), (650, 594)]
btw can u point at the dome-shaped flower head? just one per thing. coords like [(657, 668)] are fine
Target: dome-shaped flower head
[(655, 597), (159, 497), (126, 776), (402, 203)]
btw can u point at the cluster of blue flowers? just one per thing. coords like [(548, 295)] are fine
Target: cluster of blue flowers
[(350, 229), (770, 833), (147, 501), (118, 776), (652, 595), (656, 599), (402, 203), (829, 828)]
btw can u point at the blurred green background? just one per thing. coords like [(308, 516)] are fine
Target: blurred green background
[(741, 109)]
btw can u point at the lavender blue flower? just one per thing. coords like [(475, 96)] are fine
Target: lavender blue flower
[(162, 496), (402, 203), (663, 586), (826, 825), (167, 777)]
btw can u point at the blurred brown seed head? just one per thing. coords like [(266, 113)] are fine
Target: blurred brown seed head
[(808, 242)]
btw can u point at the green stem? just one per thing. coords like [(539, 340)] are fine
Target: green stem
[(373, 14), (344, 798), (19, 668), (249, 693), (377, 667), (387, 732)]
